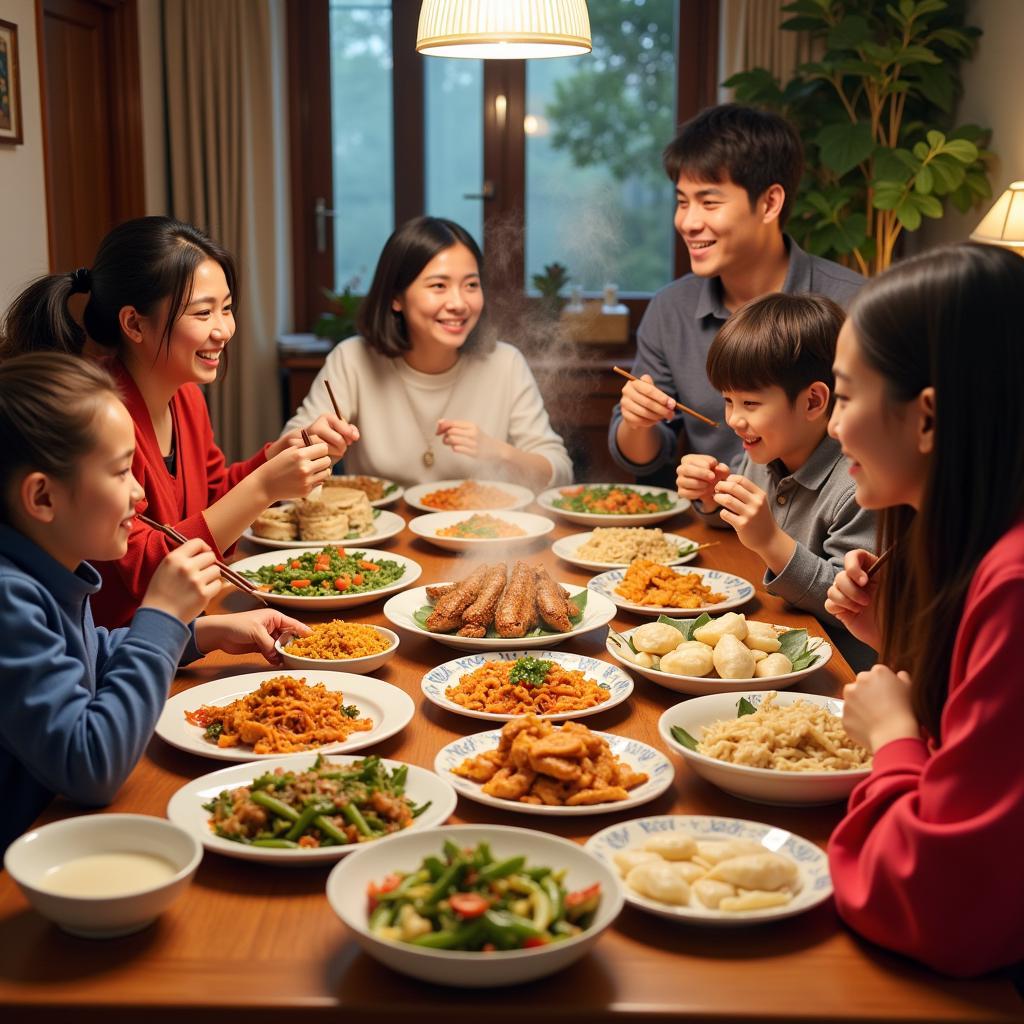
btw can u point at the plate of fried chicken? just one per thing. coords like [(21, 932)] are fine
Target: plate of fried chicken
[(492, 606)]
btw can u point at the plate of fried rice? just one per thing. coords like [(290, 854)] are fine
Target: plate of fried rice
[(346, 646)]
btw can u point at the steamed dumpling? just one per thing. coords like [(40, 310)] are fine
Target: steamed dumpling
[(687, 869), (712, 852), (658, 881), (712, 632), (626, 860), (763, 870), (773, 665), (672, 846), (655, 638), (761, 636), (690, 658), (758, 655), (733, 659), (711, 891)]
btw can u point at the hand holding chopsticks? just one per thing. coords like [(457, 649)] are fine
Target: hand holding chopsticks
[(678, 405), (227, 573)]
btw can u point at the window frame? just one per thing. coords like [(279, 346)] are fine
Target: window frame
[(309, 63)]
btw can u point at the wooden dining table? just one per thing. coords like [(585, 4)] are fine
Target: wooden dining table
[(256, 943)]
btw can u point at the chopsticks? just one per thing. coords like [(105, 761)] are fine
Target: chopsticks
[(679, 405), (334, 401), (227, 573), (881, 560)]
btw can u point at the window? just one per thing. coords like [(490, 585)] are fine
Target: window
[(542, 161)]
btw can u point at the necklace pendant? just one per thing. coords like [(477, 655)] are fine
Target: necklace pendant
[(428, 458)]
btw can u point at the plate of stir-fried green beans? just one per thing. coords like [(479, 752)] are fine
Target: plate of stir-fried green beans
[(305, 809), (475, 905)]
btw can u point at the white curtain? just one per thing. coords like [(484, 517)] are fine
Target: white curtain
[(227, 149)]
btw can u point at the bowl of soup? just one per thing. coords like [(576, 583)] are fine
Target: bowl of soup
[(103, 875)]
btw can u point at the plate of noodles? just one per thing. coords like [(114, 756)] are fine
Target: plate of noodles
[(467, 496), (508, 684), (219, 809), (268, 714), (768, 747), (711, 871), (614, 547), (650, 588), (480, 531)]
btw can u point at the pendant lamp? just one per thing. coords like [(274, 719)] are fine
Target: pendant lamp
[(503, 29)]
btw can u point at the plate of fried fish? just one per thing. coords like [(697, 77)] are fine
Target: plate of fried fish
[(493, 605)]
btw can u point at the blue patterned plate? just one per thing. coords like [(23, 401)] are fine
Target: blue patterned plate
[(815, 881), (637, 755), (737, 591), (608, 677)]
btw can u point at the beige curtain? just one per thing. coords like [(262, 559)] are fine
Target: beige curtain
[(751, 38), (224, 69)]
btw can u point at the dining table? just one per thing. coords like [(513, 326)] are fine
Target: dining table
[(258, 943)]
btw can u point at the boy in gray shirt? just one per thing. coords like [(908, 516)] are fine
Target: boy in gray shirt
[(791, 499), (736, 172)]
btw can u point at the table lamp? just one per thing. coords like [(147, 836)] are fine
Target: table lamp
[(1004, 223)]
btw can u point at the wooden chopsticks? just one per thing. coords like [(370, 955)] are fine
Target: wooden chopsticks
[(679, 405), (227, 573), (334, 401), (881, 560)]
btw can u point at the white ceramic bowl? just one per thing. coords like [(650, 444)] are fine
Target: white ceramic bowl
[(518, 496), (546, 500), (369, 663), (533, 526), (346, 892), (761, 785), (30, 858)]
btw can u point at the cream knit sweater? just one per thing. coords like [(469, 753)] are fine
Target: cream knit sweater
[(397, 408)]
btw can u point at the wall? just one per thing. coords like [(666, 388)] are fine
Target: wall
[(154, 130), (24, 250), (993, 87)]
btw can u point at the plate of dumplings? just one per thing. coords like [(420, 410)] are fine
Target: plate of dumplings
[(711, 871), (340, 515)]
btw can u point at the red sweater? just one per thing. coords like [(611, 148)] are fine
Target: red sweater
[(202, 478), (926, 860)]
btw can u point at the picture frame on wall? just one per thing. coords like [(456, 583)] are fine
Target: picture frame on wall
[(10, 86)]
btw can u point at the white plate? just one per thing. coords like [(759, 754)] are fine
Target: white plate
[(399, 612), (566, 548), (546, 500), (186, 808), (254, 562), (385, 526), (737, 590), (613, 679), (390, 708), (521, 496), (427, 527), (637, 755), (761, 785), (360, 666), (698, 686), (348, 882), (388, 499), (816, 883)]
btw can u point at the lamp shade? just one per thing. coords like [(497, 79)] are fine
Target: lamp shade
[(509, 29), (1004, 223)]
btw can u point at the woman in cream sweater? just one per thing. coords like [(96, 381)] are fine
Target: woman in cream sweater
[(433, 397)]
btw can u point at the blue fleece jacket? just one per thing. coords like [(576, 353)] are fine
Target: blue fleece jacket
[(78, 704)]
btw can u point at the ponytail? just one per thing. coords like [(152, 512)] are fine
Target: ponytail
[(39, 319)]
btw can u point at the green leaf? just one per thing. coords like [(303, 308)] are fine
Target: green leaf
[(948, 174), (908, 215), (924, 180), (686, 626), (928, 205), (888, 195), (580, 600), (621, 641), (792, 643), (683, 738), (744, 707), (852, 232), (421, 615), (935, 139), (849, 33), (843, 146), (917, 55), (935, 83), (962, 150)]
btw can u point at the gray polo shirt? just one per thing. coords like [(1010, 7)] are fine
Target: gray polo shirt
[(672, 346), (816, 507)]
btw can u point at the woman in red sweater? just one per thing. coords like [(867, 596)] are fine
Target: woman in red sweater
[(929, 375), (161, 303)]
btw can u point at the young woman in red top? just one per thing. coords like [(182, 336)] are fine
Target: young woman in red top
[(929, 374), (162, 298)]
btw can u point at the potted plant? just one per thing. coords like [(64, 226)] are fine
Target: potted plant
[(876, 116), (549, 284), (340, 324)]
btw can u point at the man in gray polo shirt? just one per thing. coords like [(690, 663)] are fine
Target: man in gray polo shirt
[(736, 172)]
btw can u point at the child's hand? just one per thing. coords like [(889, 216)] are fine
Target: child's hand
[(745, 508), (466, 438), (643, 405), (247, 631), (295, 471), (877, 708), (184, 582), (851, 598), (336, 433), (696, 478)]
